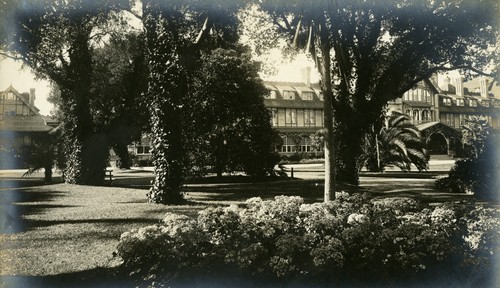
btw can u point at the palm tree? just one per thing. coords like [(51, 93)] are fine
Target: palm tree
[(398, 143)]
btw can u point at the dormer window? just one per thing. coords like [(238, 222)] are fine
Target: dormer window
[(460, 102), (447, 101), (485, 103), (271, 95), (289, 95), (307, 95), (321, 96), (472, 103)]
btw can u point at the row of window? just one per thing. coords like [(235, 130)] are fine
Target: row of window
[(419, 94), (419, 115), (307, 117), (143, 150), (468, 102), (290, 95), (291, 146), (8, 96), (458, 120)]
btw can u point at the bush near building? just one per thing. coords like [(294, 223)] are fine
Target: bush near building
[(478, 172), (353, 238)]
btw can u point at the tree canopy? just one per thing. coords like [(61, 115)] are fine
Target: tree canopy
[(55, 39), (230, 120), (380, 49)]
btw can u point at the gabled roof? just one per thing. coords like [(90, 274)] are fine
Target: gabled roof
[(433, 84), (437, 126), (19, 96)]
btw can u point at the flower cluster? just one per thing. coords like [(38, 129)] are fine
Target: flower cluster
[(374, 239)]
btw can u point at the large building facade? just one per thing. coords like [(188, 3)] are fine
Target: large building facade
[(20, 126), (296, 113), (439, 111)]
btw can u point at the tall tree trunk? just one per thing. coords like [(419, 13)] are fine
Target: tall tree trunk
[(349, 141), (378, 153), (86, 152), (326, 87), (166, 87)]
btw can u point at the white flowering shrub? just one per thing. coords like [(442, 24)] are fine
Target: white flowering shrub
[(383, 240)]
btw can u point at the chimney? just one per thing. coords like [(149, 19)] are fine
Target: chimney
[(306, 76), (32, 97), (483, 87), (446, 84), (459, 87)]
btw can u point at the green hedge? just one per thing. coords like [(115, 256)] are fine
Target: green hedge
[(382, 241)]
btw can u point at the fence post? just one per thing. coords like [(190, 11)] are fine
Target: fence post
[(292, 172)]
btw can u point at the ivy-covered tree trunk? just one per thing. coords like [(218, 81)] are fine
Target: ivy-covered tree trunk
[(166, 87), (86, 152)]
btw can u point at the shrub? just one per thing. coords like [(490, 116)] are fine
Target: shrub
[(479, 172), (353, 237)]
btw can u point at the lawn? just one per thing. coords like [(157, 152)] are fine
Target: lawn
[(64, 232)]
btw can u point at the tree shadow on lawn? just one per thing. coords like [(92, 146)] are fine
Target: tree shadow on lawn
[(97, 277), (25, 182), (12, 210), (309, 190)]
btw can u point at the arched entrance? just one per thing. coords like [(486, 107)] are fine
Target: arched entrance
[(437, 144)]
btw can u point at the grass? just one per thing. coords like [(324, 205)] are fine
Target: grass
[(52, 234)]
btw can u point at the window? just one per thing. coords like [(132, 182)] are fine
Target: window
[(271, 95), (305, 144), (472, 103), (307, 96), (274, 117), (289, 95), (460, 102), (291, 117), (416, 115), (428, 96), (309, 117), (485, 103), (10, 96), (9, 113), (288, 145), (143, 149), (447, 101), (321, 96), (425, 115), (419, 95), (448, 119), (408, 112)]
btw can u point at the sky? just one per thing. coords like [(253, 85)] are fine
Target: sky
[(22, 79), (12, 73)]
